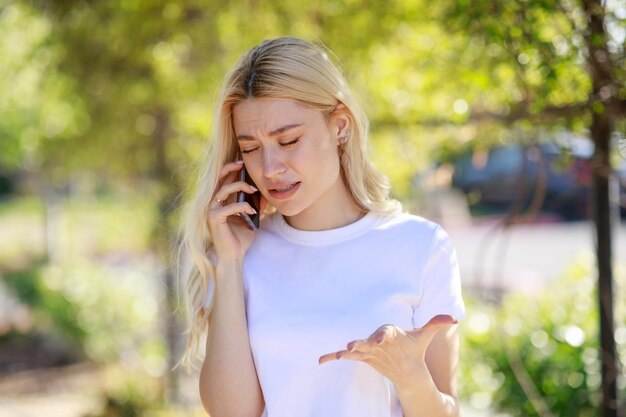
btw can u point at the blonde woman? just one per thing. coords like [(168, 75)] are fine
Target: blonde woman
[(338, 304)]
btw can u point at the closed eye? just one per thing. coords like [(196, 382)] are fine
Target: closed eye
[(291, 142)]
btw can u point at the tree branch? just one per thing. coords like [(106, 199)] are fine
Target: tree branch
[(616, 107)]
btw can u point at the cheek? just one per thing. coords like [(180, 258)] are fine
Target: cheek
[(331, 159), (327, 153), (322, 162)]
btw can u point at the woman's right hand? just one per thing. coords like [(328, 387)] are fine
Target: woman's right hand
[(231, 235)]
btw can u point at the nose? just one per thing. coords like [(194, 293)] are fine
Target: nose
[(273, 163)]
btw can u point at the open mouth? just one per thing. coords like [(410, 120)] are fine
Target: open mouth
[(285, 191), (286, 188)]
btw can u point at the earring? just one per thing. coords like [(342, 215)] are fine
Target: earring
[(345, 137)]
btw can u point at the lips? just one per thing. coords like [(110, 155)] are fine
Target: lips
[(284, 190)]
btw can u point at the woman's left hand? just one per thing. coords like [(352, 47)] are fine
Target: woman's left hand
[(395, 353)]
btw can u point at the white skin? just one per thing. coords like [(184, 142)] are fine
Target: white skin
[(306, 154)]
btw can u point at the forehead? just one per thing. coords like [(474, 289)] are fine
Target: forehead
[(262, 115)]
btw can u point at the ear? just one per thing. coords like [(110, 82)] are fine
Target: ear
[(340, 123)]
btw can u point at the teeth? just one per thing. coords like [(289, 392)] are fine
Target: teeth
[(283, 189)]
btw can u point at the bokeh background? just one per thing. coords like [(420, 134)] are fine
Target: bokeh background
[(484, 115)]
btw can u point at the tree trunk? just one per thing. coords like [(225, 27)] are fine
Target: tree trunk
[(164, 239), (601, 127), (600, 132)]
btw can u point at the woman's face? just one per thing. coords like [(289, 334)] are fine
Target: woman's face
[(291, 153)]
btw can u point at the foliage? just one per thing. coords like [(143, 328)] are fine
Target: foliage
[(101, 294), (433, 77), (533, 356), (39, 101), (111, 312), (85, 226), (50, 308), (136, 393), (121, 92), (130, 396)]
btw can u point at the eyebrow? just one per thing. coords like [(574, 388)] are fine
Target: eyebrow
[(273, 132)]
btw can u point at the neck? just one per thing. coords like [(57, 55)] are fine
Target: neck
[(325, 219)]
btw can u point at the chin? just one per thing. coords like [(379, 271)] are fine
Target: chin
[(288, 210)]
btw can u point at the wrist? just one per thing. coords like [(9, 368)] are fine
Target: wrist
[(229, 265), (229, 269), (414, 382)]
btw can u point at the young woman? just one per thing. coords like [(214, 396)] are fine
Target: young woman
[(339, 304)]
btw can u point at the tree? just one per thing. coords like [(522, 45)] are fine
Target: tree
[(140, 76), (546, 42), (123, 89)]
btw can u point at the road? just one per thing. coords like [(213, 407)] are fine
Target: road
[(526, 257)]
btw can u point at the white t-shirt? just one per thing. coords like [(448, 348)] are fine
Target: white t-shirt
[(311, 292)]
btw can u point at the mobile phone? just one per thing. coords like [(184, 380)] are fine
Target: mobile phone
[(253, 199)]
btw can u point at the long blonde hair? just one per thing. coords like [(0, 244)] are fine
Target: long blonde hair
[(287, 68)]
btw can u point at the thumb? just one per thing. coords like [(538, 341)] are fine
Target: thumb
[(439, 321), (435, 324)]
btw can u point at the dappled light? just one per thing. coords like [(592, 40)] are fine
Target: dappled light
[(499, 120)]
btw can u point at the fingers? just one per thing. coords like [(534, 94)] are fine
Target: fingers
[(229, 168), (226, 175), (356, 350), (344, 354), (228, 189), (236, 208), (367, 350), (220, 215), (376, 345), (388, 332), (328, 357), (428, 331), (382, 334)]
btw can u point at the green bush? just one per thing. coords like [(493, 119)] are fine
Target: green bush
[(111, 312), (538, 355), (49, 306)]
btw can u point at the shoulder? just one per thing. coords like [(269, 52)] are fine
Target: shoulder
[(409, 224), (408, 234)]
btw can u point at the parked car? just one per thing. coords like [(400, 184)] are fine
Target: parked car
[(509, 175)]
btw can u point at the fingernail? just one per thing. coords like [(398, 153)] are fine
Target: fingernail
[(254, 211), (254, 188)]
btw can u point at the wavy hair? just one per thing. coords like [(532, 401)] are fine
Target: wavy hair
[(287, 68)]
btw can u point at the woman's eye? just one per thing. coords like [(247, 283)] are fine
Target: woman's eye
[(248, 150), (291, 142)]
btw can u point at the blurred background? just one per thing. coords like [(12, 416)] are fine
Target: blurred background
[(484, 115)]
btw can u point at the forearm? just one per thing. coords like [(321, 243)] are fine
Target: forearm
[(421, 397), (228, 381)]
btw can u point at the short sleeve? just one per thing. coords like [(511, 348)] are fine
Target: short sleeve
[(441, 282)]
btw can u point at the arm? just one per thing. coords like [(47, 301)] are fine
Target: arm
[(229, 385), (432, 390), (421, 364)]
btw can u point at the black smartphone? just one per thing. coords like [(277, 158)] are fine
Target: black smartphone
[(253, 199)]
